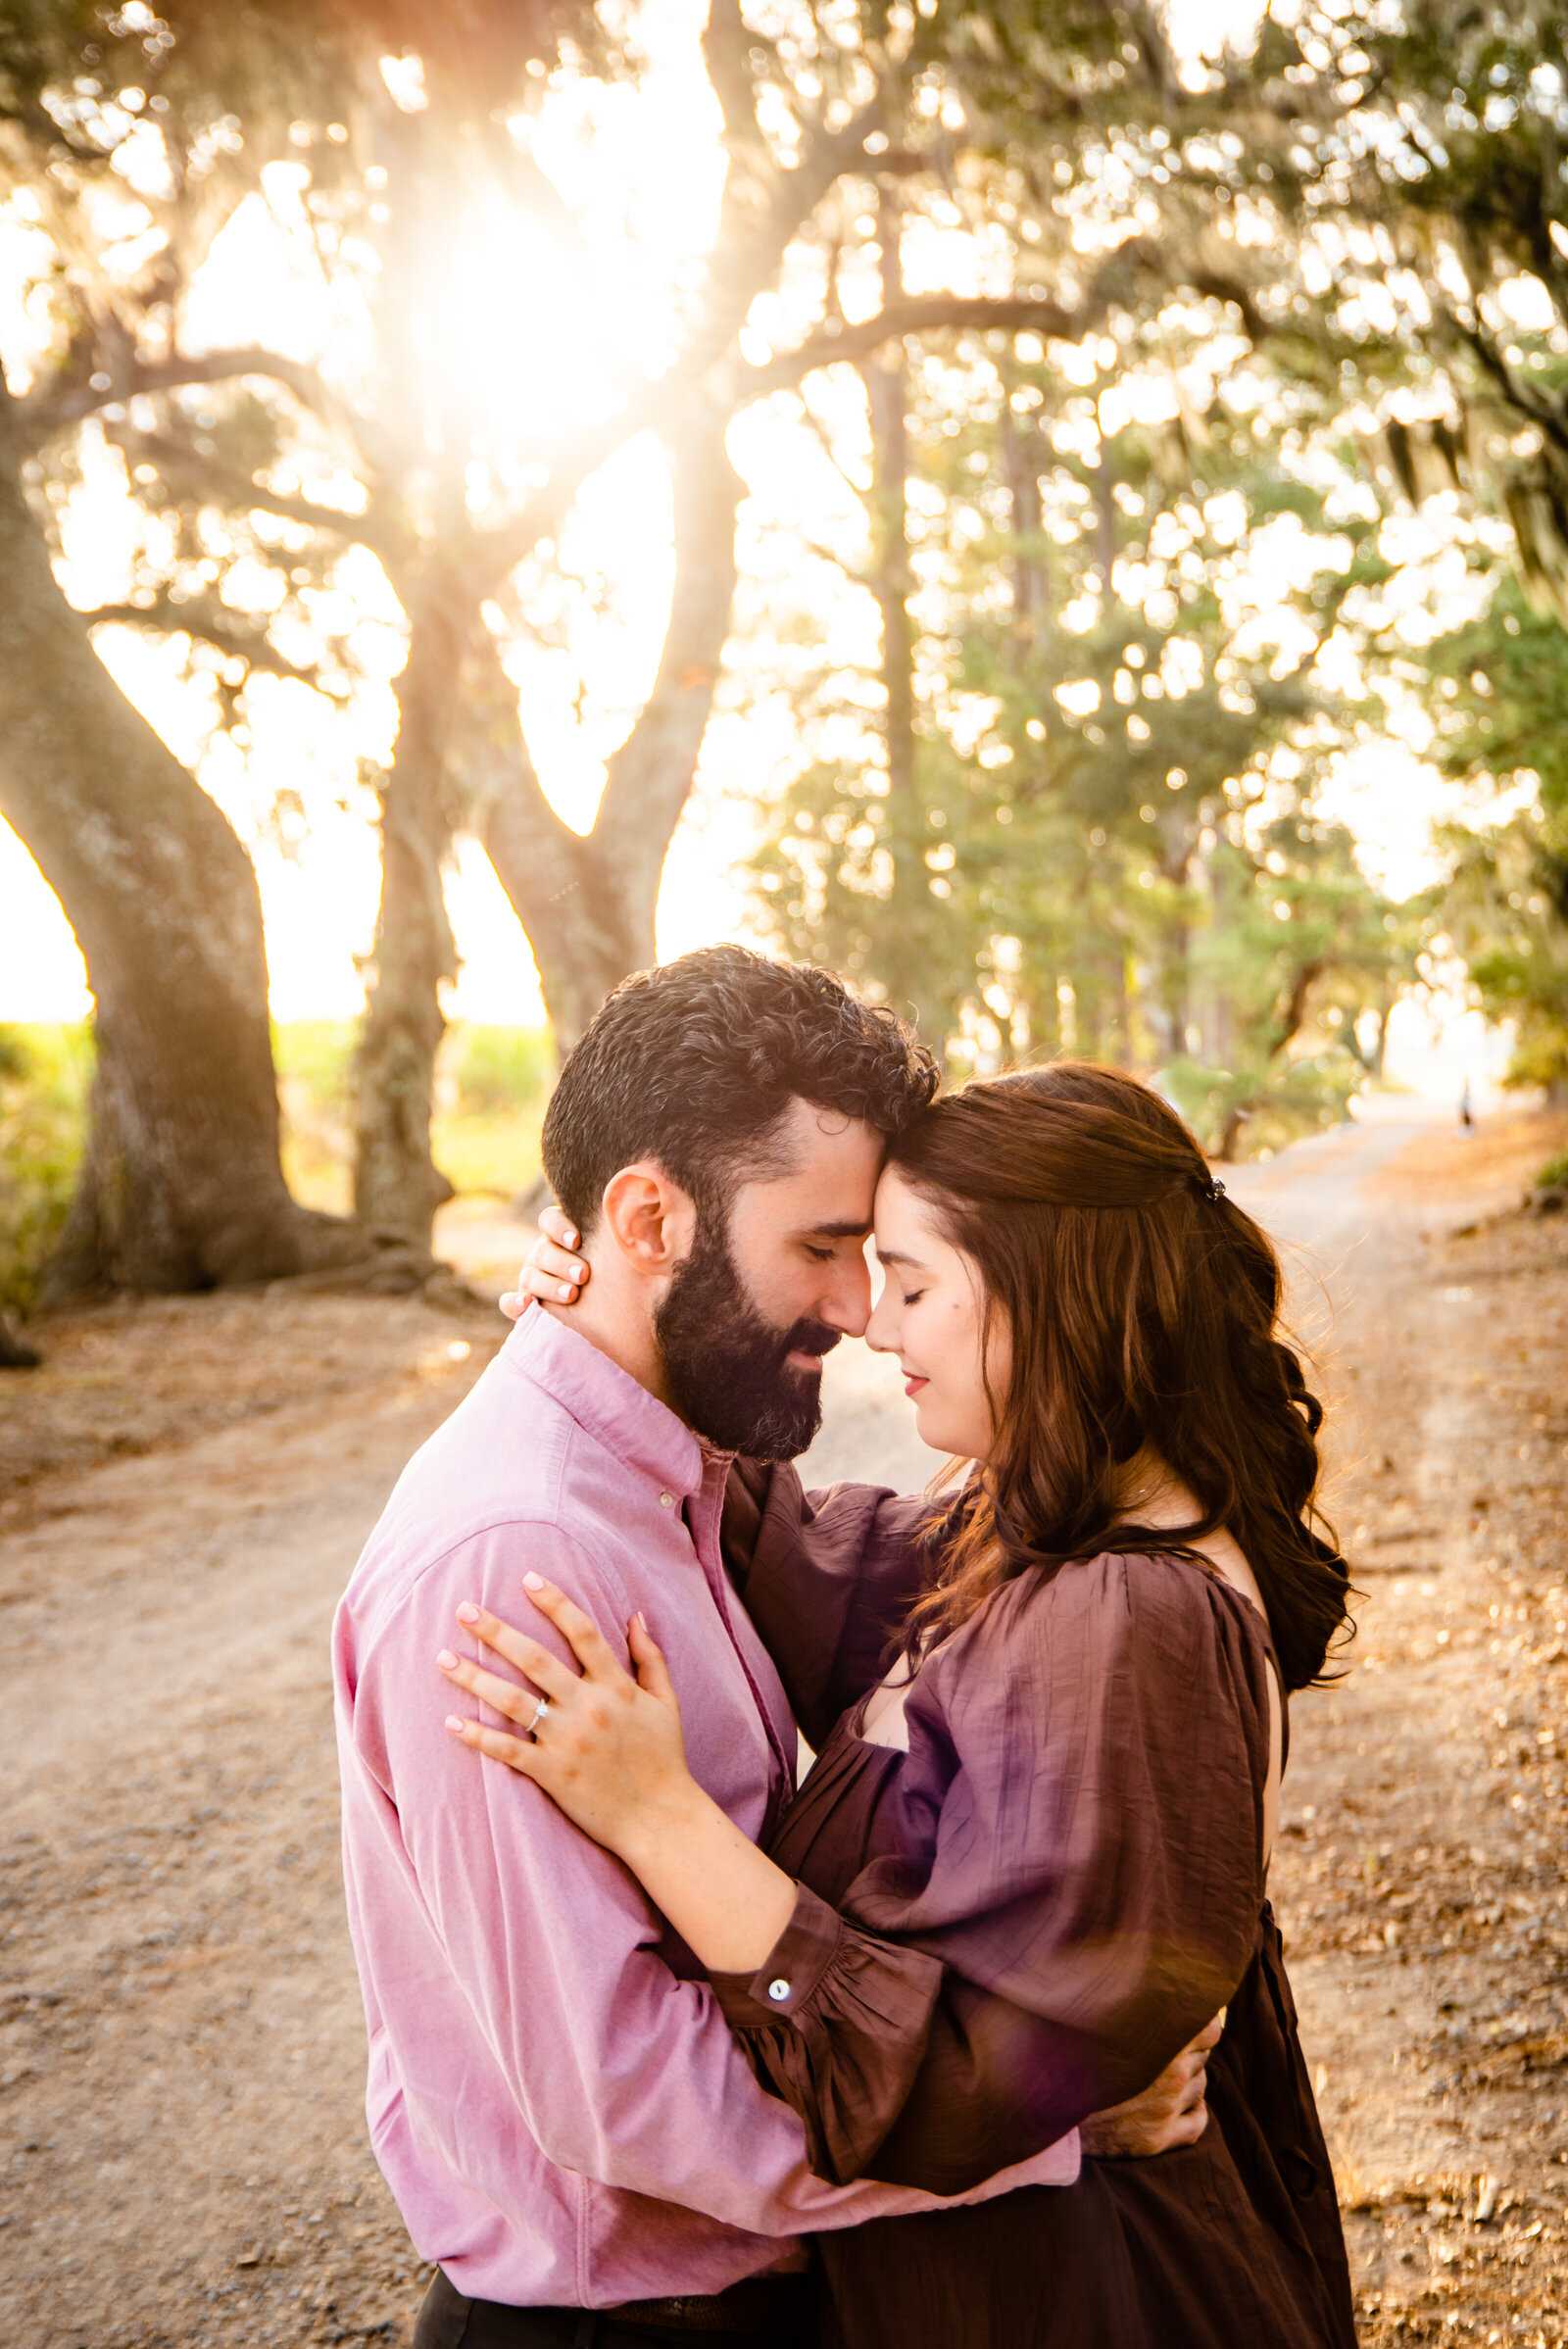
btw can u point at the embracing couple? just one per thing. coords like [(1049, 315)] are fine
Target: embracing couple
[(978, 2033)]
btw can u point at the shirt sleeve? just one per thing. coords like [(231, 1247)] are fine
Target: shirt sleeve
[(1079, 1850), (827, 1577), (620, 2069)]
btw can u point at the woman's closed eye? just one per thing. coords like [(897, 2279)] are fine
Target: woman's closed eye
[(915, 1296)]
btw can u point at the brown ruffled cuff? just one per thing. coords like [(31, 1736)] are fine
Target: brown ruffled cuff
[(836, 2022)]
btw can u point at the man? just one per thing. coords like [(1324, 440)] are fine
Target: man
[(558, 2106)]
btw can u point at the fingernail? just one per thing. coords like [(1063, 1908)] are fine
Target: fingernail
[(640, 1618), (571, 1237), (564, 1292), (455, 1725), (468, 1612), (533, 1582), (447, 1660)]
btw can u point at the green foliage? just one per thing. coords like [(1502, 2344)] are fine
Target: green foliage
[(314, 1062), (492, 1084), (1554, 1174), (45, 1072), (1110, 845), (1498, 688), (497, 1071)]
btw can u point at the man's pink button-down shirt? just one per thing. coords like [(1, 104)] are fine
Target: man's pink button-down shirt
[(553, 2096)]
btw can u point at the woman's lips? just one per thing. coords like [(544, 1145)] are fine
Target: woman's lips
[(914, 1386)]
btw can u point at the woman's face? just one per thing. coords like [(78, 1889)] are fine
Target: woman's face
[(930, 1314)]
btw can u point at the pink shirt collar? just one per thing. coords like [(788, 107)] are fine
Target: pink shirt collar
[(609, 1403)]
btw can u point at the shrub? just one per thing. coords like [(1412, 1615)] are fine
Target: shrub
[(497, 1072), (315, 1063), (492, 1084), (45, 1072)]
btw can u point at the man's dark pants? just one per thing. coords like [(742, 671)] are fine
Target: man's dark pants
[(776, 2312)]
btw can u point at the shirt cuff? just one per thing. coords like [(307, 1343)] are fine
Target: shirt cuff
[(785, 1981)]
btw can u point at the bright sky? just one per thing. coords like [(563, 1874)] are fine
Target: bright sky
[(643, 167)]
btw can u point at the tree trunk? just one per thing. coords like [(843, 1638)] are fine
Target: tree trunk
[(181, 1187), (556, 879), (588, 904), (906, 971), (397, 1185)]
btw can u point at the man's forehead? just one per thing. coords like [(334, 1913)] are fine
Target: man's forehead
[(825, 1178)]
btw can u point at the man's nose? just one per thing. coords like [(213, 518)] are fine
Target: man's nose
[(848, 1306)]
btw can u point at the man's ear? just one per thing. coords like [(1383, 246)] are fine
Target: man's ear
[(649, 1219)]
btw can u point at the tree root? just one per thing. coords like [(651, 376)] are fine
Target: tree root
[(15, 1351)]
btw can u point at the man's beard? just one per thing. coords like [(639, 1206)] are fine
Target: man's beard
[(724, 1364)]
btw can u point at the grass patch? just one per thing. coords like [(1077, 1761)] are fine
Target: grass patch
[(491, 1085), (1553, 1175), (45, 1073), (313, 1060)]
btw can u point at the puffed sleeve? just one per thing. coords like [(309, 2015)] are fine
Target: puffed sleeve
[(1077, 1840), (827, 1577), (837, 2024)]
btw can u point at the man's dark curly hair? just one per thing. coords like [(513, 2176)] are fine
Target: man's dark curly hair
[(695, 1063)]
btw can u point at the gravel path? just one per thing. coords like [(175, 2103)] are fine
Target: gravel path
[(181, 2066)]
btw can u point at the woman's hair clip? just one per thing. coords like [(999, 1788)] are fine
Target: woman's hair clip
[(1207, 1187)]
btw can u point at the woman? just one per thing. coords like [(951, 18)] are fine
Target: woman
[(1030, 1859)]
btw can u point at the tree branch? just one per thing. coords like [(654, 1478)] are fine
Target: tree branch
[(1517, 396), (500, 550), (211, 623), (1230, 289), (925, 313), (819, 432), (650, 776), (232, 487), (128, 376), (749, 251), (47, 412)]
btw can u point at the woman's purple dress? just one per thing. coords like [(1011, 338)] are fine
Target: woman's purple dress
[(1018, 1924)]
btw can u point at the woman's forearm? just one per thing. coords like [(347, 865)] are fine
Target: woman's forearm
[(726, 1899)]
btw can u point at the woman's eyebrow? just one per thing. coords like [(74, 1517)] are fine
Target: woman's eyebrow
[(894, 1255)]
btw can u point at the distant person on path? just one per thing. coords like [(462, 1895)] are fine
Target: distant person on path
[(1032, 1851), (1466, 1119)]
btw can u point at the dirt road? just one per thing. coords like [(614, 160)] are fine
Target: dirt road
[(181, 2054)]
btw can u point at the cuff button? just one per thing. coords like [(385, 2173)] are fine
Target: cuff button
[(778, 1991)]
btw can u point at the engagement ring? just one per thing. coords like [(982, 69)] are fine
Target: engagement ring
[(540, 1710)]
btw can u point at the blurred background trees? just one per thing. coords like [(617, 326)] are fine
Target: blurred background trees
[(1108, 809), (1497, 686), (1132, 366)]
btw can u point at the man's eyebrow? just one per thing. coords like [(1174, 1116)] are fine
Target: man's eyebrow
[(838, 1231)]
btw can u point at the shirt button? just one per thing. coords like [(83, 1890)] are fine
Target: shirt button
[(667, 1501), (778, 1991)]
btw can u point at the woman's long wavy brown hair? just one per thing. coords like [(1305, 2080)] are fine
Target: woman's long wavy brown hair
[(1144, 1315)]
